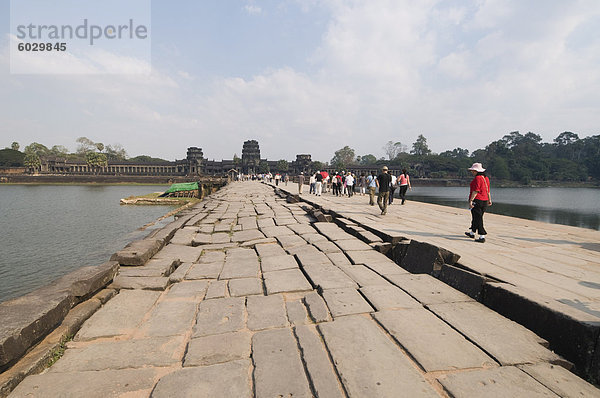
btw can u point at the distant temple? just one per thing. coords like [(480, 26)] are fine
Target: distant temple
[(193, 165)]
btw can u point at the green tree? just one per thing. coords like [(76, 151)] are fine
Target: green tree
[(420, 147), (11, 158), (85, 145), (393, 149), (37, 149), (15, 146), (116, 152), (58, 151), (32, 162), (343, 157), (366, 160), (282, 165), (96, 160), (456, 153), (316, 166), (263, 167)]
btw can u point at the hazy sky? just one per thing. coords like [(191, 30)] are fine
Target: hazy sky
[(311, 76)]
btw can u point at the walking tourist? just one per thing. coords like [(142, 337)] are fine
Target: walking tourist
[(372, 185), (318, 183), (404, 182), (479, 199), (311, 181), (362, 183), (277, 178), (350, 184), (300, 183), (383, 181), (392, 187)]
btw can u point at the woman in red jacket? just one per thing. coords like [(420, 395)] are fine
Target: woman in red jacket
[(479, 199)]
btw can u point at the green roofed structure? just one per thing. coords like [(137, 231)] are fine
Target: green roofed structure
[(185, 189)]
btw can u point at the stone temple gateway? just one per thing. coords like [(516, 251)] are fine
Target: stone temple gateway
[(195, 164)]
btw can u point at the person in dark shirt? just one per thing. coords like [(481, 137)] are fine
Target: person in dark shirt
[(383, 182)]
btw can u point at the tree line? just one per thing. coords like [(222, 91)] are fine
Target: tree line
[(517, 157), (95, 154)]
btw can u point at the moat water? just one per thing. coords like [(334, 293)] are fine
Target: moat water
[(578, 207), (51, 230)]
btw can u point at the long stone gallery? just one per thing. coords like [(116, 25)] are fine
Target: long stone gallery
[(258, 292)]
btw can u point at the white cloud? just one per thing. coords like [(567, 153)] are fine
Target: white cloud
[(253, 9), (383, 70)]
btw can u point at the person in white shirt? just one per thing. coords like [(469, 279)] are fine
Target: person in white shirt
[(393, 185), (350, 184)]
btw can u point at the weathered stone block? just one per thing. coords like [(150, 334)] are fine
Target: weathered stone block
[(424, 258), (137, 252), (27, 319)]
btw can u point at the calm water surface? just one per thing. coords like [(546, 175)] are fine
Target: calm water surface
[(49, 231), (579, 207)]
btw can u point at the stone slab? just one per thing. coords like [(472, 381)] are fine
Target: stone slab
[(302, 229), (352, 245), (320, 369), (369, 363), (428, 290), (506, 381), (269, 250), (205, 271), (220, 315), (140, 283), (209, 257), (139, 353), (314, 237), (119, 316), (184, 236), (278, 368), (296, 313), (290, 280), (389, 297), (506, 341), (253, 243), (560, 380), (247, 235), (290, 241), (574, 333), (240, 263), (328, 276), (179, 274), (364, 276), (86, 281), (275, 231), (137, 252), (96, 384), (431, 342), (216, 289), (278, 263), (266, 312), (345, 302), (309, 255), (185, 254), (368, 256), (27, 319), (327, 247), (425, 258), (170, 318), (231, 379), (218, 348), (386, 268), (338, 259), (193, 290), (245, 287), (316, 307)]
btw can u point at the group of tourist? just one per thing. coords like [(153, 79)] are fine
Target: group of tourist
[(344, 183)]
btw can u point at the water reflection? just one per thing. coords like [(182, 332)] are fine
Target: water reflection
[(576, 207)]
